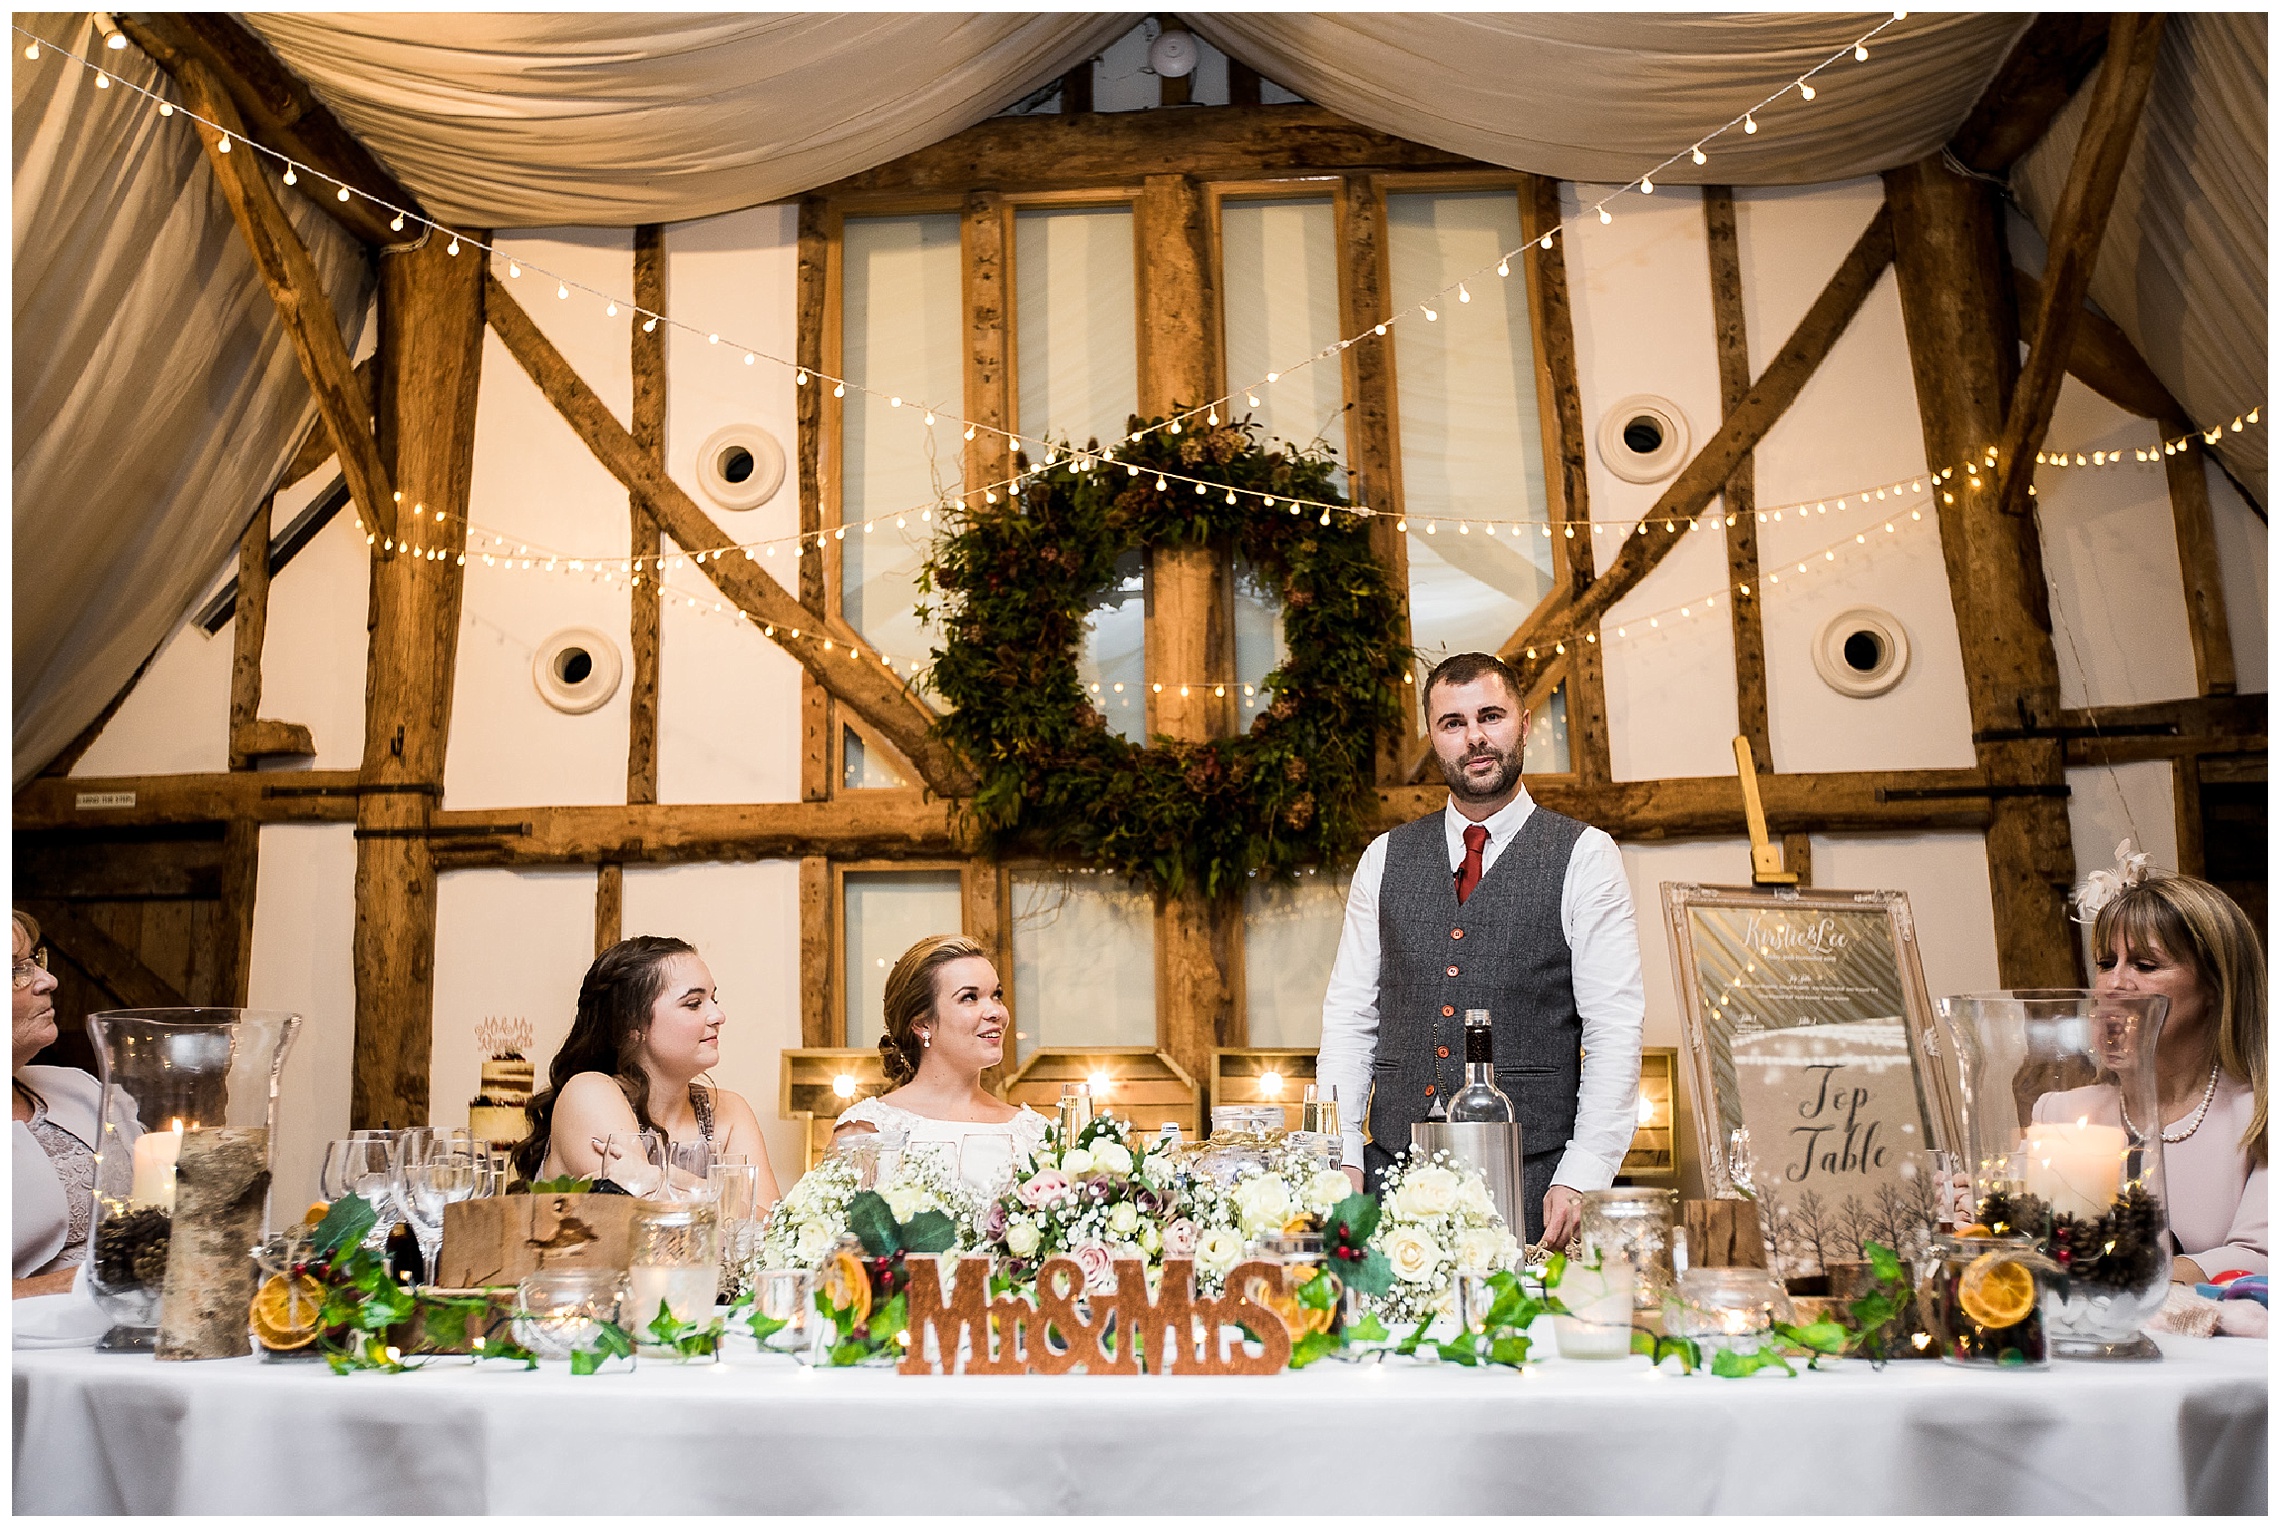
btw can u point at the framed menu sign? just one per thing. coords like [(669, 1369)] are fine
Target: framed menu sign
[(1814, 1060)]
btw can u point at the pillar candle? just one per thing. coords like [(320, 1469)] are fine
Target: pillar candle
[(155, 1154), (2077, 1167)]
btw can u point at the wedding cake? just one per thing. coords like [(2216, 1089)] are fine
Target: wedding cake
[(498, 1114)]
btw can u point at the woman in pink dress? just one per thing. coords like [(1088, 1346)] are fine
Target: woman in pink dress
[(2189, 942)]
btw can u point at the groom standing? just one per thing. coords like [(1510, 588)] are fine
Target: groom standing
[(1495, 903)]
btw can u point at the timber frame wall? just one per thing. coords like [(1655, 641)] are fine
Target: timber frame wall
[(1941, 231)]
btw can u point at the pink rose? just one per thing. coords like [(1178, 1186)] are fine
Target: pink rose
[(1046, 1188), (1099, 1268), (1179, 1239)]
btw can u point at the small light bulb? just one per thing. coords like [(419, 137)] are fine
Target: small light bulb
[(225, 136), (290, 178), (562, 290), (341, 194), (116, 42), (1605, 216), (396, 223), (1646, 185), (839, 390), (1805, 89), (1462, 294), (454, 245), (1749, 122), (651, 326), (1431, 316), (1503, 267), (1861, 52), (32, 50), (1546, 241), (1252, 399), (1699, 156)]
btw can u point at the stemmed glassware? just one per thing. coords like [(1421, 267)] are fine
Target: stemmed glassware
[(363, 1163), (435, 1168), (679, 1169)]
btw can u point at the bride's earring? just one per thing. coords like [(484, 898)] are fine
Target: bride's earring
[(925, 1040)]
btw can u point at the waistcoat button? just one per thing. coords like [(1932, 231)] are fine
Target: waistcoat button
[(1428, 1089), (1442, 1052), (1452, 970), (1448, 1012), (1456, 933)]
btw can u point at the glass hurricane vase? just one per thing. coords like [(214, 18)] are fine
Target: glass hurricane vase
[(167, 1073), (2063, 1116)]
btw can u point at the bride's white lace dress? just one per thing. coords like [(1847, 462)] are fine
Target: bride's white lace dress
[(983, 1165)]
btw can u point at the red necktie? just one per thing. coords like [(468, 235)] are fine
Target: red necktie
[(1468, 874)]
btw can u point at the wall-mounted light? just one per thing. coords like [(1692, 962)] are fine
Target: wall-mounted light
[(1100, 1085), (843, 1085), (1270, 1083)]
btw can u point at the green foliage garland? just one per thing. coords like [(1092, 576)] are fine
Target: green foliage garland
[(1015, 585)]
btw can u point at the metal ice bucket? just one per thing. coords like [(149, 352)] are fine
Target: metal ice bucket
[(1493, 1148)]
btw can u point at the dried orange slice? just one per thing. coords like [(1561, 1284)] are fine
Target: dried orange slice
[(1974, 1233), (846, 1284), (1297, 1319), (316, 1213), (1299, 1225), (284, 1312), (1996, 1290)]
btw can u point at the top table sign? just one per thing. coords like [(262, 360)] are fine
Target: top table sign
[(1816, 1065)]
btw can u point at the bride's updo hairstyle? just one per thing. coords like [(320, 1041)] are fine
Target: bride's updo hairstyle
[(909, 999), (614, 1001)]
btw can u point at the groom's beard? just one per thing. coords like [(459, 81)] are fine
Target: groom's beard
[(1461, 785)]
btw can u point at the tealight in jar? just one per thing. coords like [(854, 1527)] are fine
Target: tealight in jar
[(1635, 1226), (1727, 1308), (561, 1309)]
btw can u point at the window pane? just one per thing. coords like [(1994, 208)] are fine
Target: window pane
[(860, 769), (1075, 346), (1290, 937), (900, 333), (886, 912), (1280, 273), (1259, 645), (1084, 962), (1546, 751), (1112, 660), (1471, 442)]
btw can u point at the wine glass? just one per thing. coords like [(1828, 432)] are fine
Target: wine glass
[(625, 1162), (437, 1180), (363, 1164), (683, 1169)]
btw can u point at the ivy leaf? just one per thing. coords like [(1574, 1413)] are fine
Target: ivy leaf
[(1728, 1364), (1656, 1349), (347, 1223), (1827, 1337), (1368, 1329), (1555, 1269), (1459, 1352), (874, 1224), (890, 1318), (1510, 1351), (765, 1327), (568, 1183), (1884, 1261), (929, 1231), (1312, 1346)]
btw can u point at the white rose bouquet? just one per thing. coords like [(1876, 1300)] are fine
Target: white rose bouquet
[(1437, 1221), (808, 1222), (1111, 1193)]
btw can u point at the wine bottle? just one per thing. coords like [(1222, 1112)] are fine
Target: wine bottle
[(403, 1255), (1479, 1101)]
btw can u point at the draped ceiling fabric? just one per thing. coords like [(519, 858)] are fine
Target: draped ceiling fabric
[(1599, 96), (610, 118), (156, 394), (2183, 262)]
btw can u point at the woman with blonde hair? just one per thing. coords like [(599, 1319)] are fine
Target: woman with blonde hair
[(946, 1023), (2187, 941)]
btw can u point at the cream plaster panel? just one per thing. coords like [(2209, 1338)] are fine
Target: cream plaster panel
[(303, 961)]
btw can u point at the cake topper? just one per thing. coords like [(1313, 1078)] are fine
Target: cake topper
[(501, 1036)]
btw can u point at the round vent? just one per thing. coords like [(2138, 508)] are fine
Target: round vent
[(1643, 439), (741, 466), (1862, 652), (577, 670)]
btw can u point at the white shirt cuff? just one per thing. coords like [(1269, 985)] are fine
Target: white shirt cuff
[(1585, 1171), (1353, 1143)]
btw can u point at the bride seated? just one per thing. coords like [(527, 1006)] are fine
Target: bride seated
[(946, 1023)]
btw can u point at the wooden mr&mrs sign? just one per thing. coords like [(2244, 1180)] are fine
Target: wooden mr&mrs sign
[(1119, 1331)]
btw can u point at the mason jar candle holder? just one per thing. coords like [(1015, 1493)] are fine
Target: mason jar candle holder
[(1728, 1309), (672, 1266), (1634, 1226), (562, 1309), (782, 1294)]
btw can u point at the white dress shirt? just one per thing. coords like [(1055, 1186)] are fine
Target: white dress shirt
[(1610, 994)]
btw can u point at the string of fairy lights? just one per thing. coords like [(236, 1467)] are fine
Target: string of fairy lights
[(1034, 456)]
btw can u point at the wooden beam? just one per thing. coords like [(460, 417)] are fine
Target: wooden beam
[(291, 277), (1077, 89), (233, 932), (249, 629), (1746, 611), (119, 970), (988, 379), (1710, 806), (2165, 729), (808, 401), (317, 447), (1373, 458), (649, 439), (2048, 64), (282, 112), (431, 323), (2101, 357), (134, 801), (2206, 619), (1567, 489), (609, 906), (1189, 634), (856, 826), (821, 1006), (856, 679), (1705, 477), (1101, 148), (1955, 298), (2077, 228), (271, 739)]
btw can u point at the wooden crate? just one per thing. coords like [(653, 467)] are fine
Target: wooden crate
[(494, 1242), (1239, 1076), (1143, 1084)]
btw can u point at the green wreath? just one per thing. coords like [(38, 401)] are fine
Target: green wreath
[(1015, 584)]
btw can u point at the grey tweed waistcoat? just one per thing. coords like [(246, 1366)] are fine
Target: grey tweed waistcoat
[(1503, 950)]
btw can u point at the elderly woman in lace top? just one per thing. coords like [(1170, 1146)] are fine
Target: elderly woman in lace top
[(54, 1134)]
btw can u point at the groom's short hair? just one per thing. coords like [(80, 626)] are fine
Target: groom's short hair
[(1464, 668)]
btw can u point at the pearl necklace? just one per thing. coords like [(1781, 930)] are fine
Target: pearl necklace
[(2192, 1124)]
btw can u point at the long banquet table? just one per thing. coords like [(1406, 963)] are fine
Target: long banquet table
[(108, 1434)]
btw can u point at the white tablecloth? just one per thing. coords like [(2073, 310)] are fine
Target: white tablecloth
[(110, 1433)]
